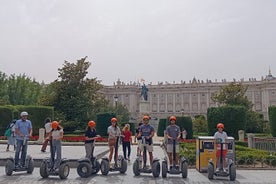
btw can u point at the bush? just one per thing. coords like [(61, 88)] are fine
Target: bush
[(103, 122), (162, 127), (272, 119)]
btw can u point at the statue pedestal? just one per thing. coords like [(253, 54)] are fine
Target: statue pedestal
[(144, 107)]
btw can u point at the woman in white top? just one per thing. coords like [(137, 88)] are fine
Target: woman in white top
[(113, 132), (48, 129), (56, 135)]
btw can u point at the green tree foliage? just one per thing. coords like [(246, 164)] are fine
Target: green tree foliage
[(200, 124), (232, 94), (4, 98), (73, 94), (23, 91), (19, 90)]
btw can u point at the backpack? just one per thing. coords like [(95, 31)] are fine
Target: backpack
[(8, 132)]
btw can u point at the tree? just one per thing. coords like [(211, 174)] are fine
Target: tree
[(233, 94), (4, 97), (200, 124), (72, 94)]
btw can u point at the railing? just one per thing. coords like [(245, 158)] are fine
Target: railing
[(268, 144)]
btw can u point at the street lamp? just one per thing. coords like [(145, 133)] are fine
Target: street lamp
[(116, 100)]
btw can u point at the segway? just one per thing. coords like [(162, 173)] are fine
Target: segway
[(138, 166), (88, 167), (220, 172), (174, 169), (120, 163), (28, 166), (47, 166)]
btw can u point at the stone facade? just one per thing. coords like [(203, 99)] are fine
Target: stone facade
[(188, 99)]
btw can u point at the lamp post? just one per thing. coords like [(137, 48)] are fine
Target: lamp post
[(116, 101), (182, 112)]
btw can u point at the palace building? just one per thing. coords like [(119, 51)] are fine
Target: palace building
[(186, 99)]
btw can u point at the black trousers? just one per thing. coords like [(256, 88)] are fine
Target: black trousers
[(126, 146)]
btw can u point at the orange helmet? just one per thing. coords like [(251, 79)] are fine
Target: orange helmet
[(91, 124), (172, 118), (54, 124), (220, 125), (114, 120), (146, 118)]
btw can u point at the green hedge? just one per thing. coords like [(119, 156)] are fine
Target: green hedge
[(6, 114), (272, 119), (163, 123), (103, 122), (233, 118), (37, 114)]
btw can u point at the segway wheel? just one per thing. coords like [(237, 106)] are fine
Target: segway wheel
[(64, 170), (30, 165), (84, 170), (123, 166), (210, 171), (97, 167), (9, 167), (184, 169), (156, 169), (135, 167), (104, 167), (164, 169), (43, 170), (232, 172)]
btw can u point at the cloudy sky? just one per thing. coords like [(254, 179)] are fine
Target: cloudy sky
[(157, 40)]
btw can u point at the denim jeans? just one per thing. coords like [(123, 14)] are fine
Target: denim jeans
[(57, 151), (23, 148)]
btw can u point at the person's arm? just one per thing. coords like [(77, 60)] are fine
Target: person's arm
[(60, 135), (31, 132)]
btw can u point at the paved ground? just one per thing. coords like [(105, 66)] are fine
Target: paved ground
[(74, 152)]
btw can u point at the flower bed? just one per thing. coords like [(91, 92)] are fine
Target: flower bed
[(65, 138)]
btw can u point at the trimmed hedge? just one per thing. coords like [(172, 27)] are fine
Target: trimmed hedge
[(103, 122), (37, 115), (6, 114), (233, 118), (163, 123), (272, 119)]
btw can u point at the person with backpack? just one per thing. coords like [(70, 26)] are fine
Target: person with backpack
[(10, 134)]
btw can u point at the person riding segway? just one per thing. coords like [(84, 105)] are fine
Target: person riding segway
[(114, 135), (52, 166), (89, 165), (146, 132), (23, 131), (223, 168), (173, 134)]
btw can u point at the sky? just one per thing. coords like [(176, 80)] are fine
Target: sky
[(130, 40)]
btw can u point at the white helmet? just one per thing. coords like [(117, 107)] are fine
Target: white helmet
[(24, 113)]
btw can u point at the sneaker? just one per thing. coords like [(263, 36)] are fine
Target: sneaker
[(217, 170), (43, 151)]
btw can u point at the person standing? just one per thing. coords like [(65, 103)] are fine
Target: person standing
[(56, 136), (184, 134), (147, 131), (221, 136), (48, 129), (139, 139), (90, 138), (23, 131), (113, 132), (173, 134), (127, 141), (11, 137)]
